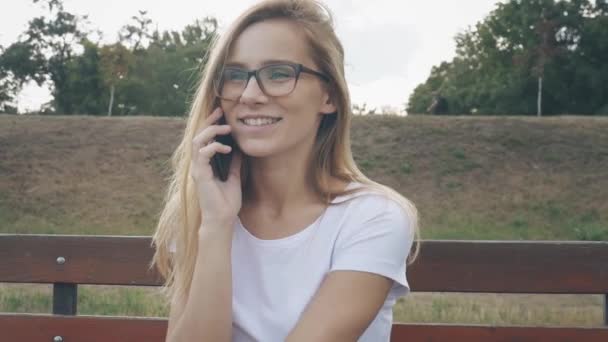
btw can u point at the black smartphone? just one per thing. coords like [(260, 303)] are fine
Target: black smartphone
[(220, 162)]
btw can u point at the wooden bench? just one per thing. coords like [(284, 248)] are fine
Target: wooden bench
[(444, 266)]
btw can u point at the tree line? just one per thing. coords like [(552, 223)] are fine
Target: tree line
[(531, 57), (145, 71)]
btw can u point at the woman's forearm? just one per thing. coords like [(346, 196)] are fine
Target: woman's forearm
[(207, 314)]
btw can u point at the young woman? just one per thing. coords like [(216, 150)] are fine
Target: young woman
[(296, 244)]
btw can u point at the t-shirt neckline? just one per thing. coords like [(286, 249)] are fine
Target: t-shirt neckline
[(288, 241)]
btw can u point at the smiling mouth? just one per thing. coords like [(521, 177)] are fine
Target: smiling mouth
[(259, 122)]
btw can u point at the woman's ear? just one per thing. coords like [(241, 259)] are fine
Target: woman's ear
[(328, 106)]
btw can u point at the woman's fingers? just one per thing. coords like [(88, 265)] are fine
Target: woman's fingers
[(206, 138), (204, 146), (208, 134), (205, 153), (209, 122), (213, 117), (202, 157)]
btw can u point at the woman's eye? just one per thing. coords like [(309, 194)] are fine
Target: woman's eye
[(235, 76), (279, 73)]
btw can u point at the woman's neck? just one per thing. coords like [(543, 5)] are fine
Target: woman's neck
[(278, 195)]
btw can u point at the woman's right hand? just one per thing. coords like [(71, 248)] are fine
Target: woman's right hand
[(219, 202)]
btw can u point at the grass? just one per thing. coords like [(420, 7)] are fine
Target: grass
[(501, 309), (495, 309), (471, 178)]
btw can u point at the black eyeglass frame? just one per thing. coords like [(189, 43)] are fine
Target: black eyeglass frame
[(299, 68)]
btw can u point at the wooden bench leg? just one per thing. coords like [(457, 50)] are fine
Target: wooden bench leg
[(606, 309), (65, 299)]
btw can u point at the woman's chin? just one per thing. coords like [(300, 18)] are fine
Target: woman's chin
[(257, 149)]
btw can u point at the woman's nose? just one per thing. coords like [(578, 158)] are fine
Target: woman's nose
[(252, 92)]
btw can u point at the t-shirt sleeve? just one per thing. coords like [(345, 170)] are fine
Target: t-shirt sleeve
[(377, 239)]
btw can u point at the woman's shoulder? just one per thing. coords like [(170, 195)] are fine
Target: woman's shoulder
[(359, 192), (369, 202)]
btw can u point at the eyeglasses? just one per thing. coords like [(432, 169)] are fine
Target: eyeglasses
[(273, 80)]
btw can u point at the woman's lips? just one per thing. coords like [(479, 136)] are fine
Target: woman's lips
[(262, 129)]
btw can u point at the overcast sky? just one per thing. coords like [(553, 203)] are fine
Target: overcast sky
[(390, 45)]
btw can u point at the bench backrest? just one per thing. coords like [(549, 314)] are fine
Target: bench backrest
[(443, 266)]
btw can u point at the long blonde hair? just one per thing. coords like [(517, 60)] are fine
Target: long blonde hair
[(181, 216)]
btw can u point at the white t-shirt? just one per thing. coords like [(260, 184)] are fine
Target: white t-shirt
[(274, 280)]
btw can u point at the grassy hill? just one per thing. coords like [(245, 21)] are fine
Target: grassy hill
[(471, 177)]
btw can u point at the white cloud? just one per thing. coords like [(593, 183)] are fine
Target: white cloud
[(379, 92), (378, 51)]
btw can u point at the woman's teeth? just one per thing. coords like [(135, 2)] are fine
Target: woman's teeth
[(259, 121)]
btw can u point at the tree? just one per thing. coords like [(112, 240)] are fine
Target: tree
[(147, 71), (44, 52), (16, 67), (163, 72), (83, 90), (115, 62), (136, 35), (525, 57)]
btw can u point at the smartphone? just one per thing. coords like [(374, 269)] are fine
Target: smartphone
[(220, 162)]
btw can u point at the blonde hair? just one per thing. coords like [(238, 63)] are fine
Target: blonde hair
[(181, 216)]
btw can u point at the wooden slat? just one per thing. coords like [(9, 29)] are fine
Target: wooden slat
[(443, 266), (33, 328), (42, 328), (511, 267), (482, 333), (104, 260)]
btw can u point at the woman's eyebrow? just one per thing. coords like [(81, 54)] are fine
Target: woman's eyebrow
[(266, 62)]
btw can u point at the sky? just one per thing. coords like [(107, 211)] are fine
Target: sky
[(390, 45)]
